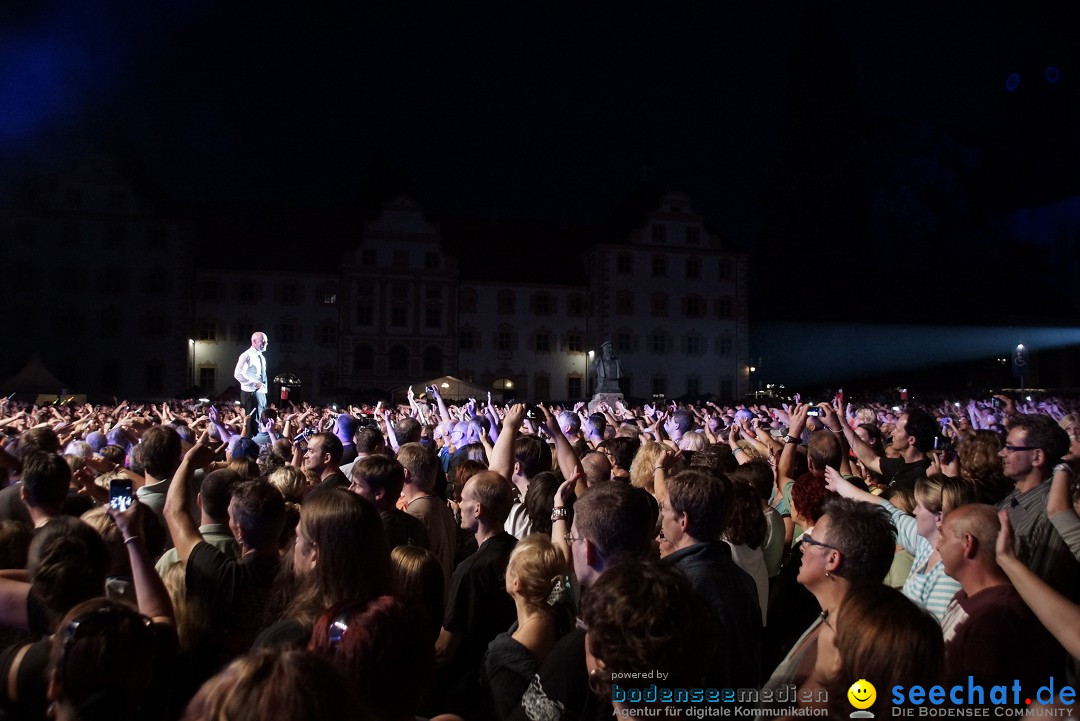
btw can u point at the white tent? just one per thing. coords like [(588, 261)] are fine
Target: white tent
[(455, 389)]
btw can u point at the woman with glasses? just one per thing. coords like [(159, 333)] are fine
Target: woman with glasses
[(851, 542), (927, 583)]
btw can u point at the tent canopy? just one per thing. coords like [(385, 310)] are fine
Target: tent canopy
[(455, 389)]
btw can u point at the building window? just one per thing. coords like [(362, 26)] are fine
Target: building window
[(207, 380), (624, 342), (369, 258), (467, 339), (327, 334), (363, 357), (726, 392), (208, 330), (397, 358), (693, 344), (659, 233), (503, 384), (542, 343), (433, 360), (431, 261), (724, 307), (290, 293), (573, 343), (659, 266), (692, 236), (624, 302), (659, 304), (287, 332), (467, 300), (433, 317), (504, 302), (624, 264), (364, 312), (399, 291), (543, 304), (659, 387), (433, 292), (399, 316), (244, 330), (401, 259), (693, 386), (575, 305), (658, 343), (693, 268), (724, 346), (573, 387), (726, 269), (504, 341), (329, 298), (693, 306)]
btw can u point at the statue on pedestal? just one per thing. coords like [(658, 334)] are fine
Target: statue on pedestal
[(608, 370)]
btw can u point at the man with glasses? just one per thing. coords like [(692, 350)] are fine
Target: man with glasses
[(1032, 452)]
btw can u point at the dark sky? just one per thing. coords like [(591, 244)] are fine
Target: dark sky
[(552, 111)]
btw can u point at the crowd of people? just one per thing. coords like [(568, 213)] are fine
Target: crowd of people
[(550, 563)]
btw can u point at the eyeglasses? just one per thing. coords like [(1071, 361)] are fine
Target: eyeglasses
[(570, 538), (808, 539), (1014, 449)]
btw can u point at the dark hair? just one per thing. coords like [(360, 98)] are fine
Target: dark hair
[(347, 424), (380, 473), (616, 518), (258, 508), (46, 478), (747, 526), (495, 494), (331, 444), (623, 450), (599, 423), (1043, 432), (683, 420), (216, 492), (647, 615), (705, 498), (354, 559), (923, 427), (877, 441), (758, 474), (15, 538), (381, 650), (865, 535), (408, 431), (369, 440), (68, 562), (160, 451), (540, 500), (102, 660), (532, 454)]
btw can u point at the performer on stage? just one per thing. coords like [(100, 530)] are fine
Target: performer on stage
[(251, 373)]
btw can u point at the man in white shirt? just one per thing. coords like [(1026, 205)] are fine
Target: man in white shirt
[(251, 374)]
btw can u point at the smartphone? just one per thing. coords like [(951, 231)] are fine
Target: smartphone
[(120, 495), (995, 402), (942, 444), (814, 411)]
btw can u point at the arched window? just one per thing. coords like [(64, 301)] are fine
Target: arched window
[(503, 384)]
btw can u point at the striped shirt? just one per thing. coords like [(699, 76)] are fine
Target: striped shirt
[(1038, 544), (930, 588)]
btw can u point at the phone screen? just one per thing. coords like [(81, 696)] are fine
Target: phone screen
[(120, 497)]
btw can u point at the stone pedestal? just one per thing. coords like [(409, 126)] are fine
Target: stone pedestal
[(609, 398)]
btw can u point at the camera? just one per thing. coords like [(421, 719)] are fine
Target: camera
[(995, 402), (942, 444), (815, 412), (302, 435), (120, 495), (431, 389)]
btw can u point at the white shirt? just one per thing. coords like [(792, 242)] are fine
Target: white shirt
[(251, 369)]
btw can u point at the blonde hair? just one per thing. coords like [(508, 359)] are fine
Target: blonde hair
[(290, 481), (644, 464), (539, 567)]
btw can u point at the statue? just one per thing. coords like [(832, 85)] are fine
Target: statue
[(608, 370)]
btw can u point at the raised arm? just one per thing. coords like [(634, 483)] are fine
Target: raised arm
[(863, 451), (835, 425), (502, 455), (150, 592), (565, 455), (179, 516), (1060, 616)]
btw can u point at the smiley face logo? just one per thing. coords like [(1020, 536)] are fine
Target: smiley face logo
[(862, 694)]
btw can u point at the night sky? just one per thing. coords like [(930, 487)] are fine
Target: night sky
[(556, 112)]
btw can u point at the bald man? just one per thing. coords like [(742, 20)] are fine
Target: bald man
[(251, 374)]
